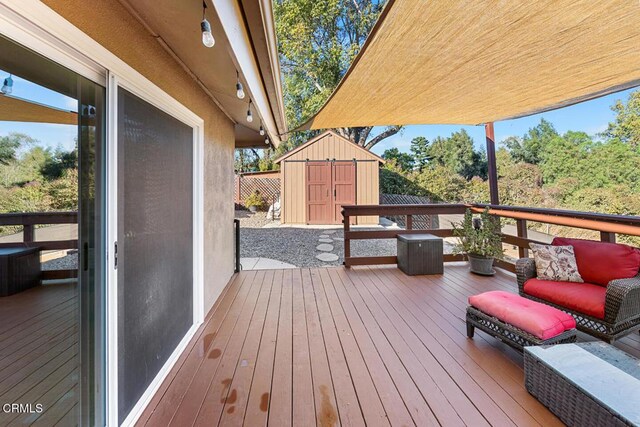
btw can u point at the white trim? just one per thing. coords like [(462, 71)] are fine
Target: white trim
[(22, 30), (148, 394), (198, 224), (112, 237), (234, 27), (159, 99)]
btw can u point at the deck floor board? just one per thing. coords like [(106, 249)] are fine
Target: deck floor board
[(365, 346), (39, 354)]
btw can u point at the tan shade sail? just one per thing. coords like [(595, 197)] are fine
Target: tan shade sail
[(20, 110), (478, 61)]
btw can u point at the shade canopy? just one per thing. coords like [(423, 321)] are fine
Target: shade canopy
[(479, 61), (21, 110)]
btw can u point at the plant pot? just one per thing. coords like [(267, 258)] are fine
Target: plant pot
[(481, 265), (253, 209)]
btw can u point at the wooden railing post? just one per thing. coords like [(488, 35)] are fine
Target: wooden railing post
[(521, 228), (27, 233), (409, 222), (607, 237), (347, 242)]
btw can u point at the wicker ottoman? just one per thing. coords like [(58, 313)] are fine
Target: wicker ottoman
[(517, 321)]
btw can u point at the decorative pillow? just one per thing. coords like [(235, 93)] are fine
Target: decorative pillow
[(557, 263)]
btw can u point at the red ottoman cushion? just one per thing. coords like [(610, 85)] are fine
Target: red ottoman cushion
[(538, 319), (584, 298), (602, 262)]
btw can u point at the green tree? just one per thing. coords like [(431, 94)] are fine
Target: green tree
[(394, 180), (442, 183), (458, 154), (528, 148), (420, 151), (317, 41), (626, 126), (10, 144), (403, 160), (59, 162)]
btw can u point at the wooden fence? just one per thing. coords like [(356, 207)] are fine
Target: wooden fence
[(419, 221), (28, 221), (607, 225), (269, 188)]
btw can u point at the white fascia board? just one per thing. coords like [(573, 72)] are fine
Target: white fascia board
[(232, 21)]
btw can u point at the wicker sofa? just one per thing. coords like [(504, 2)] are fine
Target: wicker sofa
[(607, 305)]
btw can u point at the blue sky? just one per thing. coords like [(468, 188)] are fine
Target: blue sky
[(50, 135), (591, 117)]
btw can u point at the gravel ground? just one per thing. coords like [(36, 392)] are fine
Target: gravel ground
[(68, 262), (297, 246), (252, 220)]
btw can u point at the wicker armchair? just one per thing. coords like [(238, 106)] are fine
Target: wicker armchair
[(622, 305)]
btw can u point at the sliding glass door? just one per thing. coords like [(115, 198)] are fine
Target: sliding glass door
[(52, 306)]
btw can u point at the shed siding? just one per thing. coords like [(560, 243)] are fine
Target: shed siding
[(329, 147), (294, 193)]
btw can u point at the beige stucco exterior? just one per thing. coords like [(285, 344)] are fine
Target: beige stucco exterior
[(334, 147), (110, 24)]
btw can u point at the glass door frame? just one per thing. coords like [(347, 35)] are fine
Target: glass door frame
[(150, 93), (37, 27)]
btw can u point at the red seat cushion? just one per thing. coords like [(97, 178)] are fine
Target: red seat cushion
[(540, 320), (585, 298), (602, 262)]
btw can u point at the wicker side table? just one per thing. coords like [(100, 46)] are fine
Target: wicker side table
[(585, 384)]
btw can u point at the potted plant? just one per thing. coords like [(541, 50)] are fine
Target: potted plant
[(480, 241), (254, 201)]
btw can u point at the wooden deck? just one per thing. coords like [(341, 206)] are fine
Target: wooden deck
[(38, 355), (366, 346)]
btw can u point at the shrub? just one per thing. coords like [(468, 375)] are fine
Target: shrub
[(478, 236), (255, 199)]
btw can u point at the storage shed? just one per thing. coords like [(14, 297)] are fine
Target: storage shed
[(323, 174)]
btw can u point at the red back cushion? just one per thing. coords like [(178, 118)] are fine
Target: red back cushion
[(602, 262)]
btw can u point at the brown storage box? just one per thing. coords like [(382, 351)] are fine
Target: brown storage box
[(19, 269), (420, 254)]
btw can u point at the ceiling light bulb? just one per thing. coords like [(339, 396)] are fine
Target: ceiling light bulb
[(266, 140), (239, 90), (7, 87), (261, 130), (207, 37), (249, 115)]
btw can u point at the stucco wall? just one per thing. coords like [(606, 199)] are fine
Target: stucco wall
[(109, 23)]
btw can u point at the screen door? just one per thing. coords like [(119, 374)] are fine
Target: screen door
[(154, 242)]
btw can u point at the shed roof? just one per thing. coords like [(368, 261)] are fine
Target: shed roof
[(320, 138), (472, 62)]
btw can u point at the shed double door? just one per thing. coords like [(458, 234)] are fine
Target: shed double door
[(330, 184)]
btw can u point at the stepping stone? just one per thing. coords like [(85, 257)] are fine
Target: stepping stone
[(337, 239), (329, 231), (323, 236), (325, 240), (325, 257), (324, 247)]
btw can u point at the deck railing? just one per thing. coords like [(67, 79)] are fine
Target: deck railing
[(29, 221), (607, 225)]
